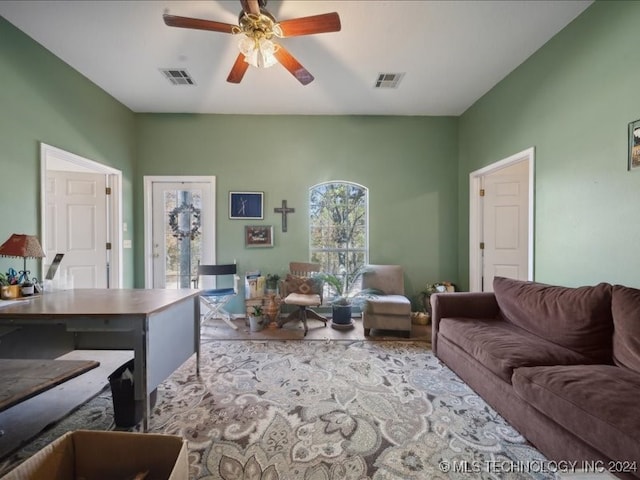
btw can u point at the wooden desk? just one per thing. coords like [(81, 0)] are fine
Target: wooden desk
[(162, 327)]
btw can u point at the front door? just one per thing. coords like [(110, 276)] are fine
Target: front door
[(181, 232)]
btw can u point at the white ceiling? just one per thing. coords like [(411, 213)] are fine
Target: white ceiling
[(452, 52)]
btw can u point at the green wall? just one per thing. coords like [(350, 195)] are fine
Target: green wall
[(408, 164), (43, 100), (572, 101)]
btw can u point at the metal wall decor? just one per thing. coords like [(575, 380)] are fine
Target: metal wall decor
[(284, 210)]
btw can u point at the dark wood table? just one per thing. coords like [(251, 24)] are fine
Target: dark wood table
[(22, 379)]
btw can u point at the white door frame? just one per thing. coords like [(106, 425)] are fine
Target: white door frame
[(53, 158), (476, 218), (149, 180)]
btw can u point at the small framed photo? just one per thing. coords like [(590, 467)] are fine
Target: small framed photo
[(258, 236), (246, 205), (634, 145)]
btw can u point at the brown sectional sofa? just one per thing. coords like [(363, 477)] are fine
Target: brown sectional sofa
[(562, 365)]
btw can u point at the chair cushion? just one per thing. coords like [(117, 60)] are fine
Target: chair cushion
[(311, 300), (625, 306), (388, 305), (597, 403), (576, 318), (304, 285), (217, 292)]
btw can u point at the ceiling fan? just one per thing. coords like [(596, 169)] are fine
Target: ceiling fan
[(259, 27)]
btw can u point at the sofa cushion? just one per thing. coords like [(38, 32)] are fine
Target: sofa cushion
[(576, 318), (625, 306), (502, 346), (597, 403), (388, 305)]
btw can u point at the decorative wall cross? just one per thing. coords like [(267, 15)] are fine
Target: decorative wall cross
[(284, 211)]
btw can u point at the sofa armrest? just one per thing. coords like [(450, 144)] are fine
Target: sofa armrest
[(460, 304)]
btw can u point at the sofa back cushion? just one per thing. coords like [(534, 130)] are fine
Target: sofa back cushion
[(625, 306), (576, 318)]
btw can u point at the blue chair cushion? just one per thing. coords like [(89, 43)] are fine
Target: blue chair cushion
[(218, 292)]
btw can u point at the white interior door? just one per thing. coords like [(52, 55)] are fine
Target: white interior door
[(501, 220), (180, 229), (505, 224), (76, 217)]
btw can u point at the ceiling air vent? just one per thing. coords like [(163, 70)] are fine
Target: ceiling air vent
[(177, 76), (388, 80)]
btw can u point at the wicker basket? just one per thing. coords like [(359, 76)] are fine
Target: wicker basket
[(420, 318)]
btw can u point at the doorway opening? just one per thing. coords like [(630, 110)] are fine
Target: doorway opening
[(88, 231), (501, 231)]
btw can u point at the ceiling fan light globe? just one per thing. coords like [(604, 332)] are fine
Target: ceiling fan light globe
[(266, 53), (258, 52), (246, 45)]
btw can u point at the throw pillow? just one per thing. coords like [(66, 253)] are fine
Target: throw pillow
[(576, 318), (625, 306), (303, 285)]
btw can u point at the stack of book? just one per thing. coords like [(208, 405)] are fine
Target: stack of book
[(254, 285)]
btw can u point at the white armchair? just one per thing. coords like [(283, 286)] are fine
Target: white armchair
[(391, 311)]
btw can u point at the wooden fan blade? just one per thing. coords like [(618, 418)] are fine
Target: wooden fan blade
[(197, 23), (295, 68), (238, 70), (250, 6), (328, 22)]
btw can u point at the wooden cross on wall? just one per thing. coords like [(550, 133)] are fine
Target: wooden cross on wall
[(284, 211)]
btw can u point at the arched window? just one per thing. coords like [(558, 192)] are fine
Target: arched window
[(338, 228)]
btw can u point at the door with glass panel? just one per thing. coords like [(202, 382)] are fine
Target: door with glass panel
[(182, 230)]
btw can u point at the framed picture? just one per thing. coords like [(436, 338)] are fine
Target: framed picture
[(258, 236), (634, 145), (246, 205)]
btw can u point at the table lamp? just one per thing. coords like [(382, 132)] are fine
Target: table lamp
[(20, 245)]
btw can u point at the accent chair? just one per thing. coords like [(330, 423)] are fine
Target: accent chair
[(388, 311)]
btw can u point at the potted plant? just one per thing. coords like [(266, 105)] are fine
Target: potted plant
[(8, 291), (430, 289), (255, 319), (4, 282), (272, 283), (343, 301)]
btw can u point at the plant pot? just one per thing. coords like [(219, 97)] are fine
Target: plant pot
[(255, 324), (341, 316), (10, 292)]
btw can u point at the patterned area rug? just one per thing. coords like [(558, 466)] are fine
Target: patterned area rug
[(320, 411)]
